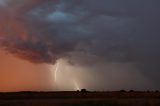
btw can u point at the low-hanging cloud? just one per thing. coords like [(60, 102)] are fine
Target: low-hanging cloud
[(85, 32)]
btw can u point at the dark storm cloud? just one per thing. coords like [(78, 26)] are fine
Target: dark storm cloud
[(85, 32)]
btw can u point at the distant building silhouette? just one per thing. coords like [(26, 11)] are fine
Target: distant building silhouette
[(84, 90)]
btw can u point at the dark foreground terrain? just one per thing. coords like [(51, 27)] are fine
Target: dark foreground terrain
[(120, 98)]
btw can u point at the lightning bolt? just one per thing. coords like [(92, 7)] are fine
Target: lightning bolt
[(76, 85), (56, 71)]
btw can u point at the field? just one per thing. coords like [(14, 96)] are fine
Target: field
[(120, 98)]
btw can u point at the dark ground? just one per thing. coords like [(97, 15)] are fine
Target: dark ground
[(120, 98)]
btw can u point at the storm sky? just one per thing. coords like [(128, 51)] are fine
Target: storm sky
[(108, 44)]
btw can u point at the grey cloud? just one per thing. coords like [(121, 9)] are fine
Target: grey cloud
[(90, 32)]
